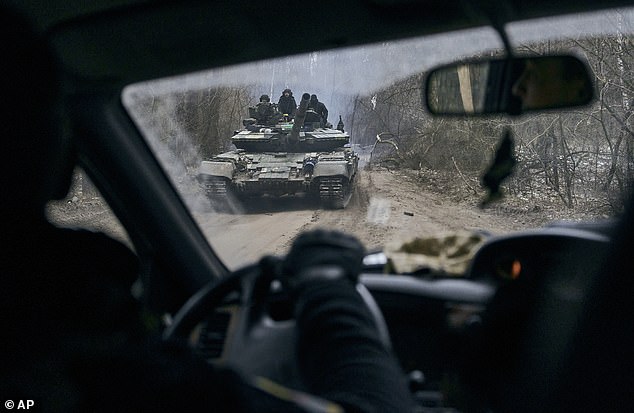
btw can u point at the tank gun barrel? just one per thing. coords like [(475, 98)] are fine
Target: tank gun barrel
[(299, 118)]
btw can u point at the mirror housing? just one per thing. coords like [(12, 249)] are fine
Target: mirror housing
[(508, 85)]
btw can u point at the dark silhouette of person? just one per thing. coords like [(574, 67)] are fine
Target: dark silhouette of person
[(552, 82), (319, 108), (287, 104), (60, 289)]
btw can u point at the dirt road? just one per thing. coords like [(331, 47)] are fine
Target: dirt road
[(386, 206)]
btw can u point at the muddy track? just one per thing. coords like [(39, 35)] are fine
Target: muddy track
[(385, 206)]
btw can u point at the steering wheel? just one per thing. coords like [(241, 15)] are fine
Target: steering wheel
[(256, 343)]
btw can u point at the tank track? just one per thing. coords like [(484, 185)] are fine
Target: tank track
[(334, 193)]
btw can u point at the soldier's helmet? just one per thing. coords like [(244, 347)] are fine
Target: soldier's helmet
[(265, 98)]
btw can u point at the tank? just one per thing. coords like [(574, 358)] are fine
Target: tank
[(281, 157)]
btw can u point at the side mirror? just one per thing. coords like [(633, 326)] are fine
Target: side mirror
[(512, 86)]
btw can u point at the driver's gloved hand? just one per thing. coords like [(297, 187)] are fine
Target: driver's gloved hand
[(323, 255)]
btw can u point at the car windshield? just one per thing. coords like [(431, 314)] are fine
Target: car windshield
[(379, 165)]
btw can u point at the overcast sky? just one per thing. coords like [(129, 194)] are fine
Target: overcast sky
[(337, 75)]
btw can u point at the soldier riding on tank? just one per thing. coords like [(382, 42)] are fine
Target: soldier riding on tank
[(265, 111), (320, 109), (287, 105)]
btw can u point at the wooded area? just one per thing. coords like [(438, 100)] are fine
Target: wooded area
[(583, 158)]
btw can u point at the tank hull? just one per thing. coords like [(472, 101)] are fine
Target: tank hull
[(327, 176)]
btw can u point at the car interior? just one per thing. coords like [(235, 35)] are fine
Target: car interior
[(538, 320)]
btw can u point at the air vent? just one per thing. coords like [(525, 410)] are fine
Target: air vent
[(213, 335)]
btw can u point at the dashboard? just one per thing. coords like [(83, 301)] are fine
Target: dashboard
[(456, 337)]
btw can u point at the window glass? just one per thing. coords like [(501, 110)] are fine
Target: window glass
[(402, 173)]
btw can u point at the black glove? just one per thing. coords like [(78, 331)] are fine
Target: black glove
[(322, 254)]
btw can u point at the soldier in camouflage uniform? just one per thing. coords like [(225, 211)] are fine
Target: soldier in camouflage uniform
[(265, 112)]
